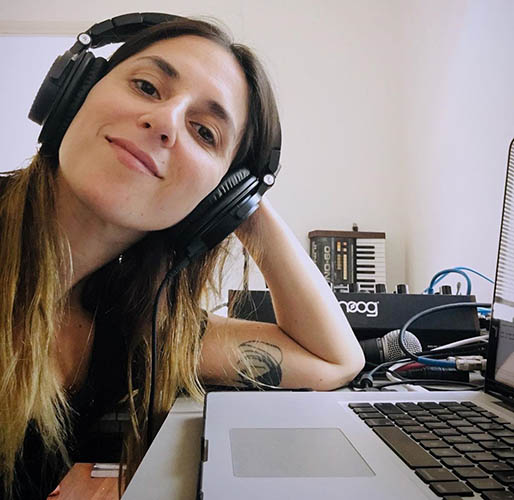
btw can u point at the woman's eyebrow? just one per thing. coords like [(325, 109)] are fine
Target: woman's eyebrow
[(214, 107), (163, 65)]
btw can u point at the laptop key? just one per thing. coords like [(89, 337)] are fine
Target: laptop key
[(423, 420), (445, 452), (505, 477), (482, 436), (456, 462), (469, 472), (498, 495), (365, 410), (456, 439), (421, 436), (405, 422), (436, 425), (479, 420), (406, 448), (407, 406), (491, 427), (435, 474), (451, 488), (495, 466), (495, 445), (501, 433), (481, 456), (504, 454), (388, 408), (446, 432), (360, 405), (485, 484), (458, 423), (429, 405), (466, 447), (370, 414), (378, 422), (433, 443), (471, 429), (411, 429)]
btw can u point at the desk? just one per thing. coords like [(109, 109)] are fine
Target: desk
[(78, 485)]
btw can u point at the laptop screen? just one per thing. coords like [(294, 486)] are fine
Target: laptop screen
[(500, 364)]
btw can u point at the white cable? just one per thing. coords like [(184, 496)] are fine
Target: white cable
[(482, 338)]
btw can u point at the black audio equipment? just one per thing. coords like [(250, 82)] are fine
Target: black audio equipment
[(349, 258), (373, 315)]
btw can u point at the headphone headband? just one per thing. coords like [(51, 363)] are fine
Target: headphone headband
[(118, 29)]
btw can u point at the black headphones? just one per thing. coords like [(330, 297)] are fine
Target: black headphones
[(65, 88)]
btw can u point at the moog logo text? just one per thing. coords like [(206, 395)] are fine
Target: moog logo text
[(370, 309)]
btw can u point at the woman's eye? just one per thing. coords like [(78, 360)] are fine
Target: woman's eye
[(147, 88), (205, 134)]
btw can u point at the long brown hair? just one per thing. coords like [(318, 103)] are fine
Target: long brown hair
[(36, 271)]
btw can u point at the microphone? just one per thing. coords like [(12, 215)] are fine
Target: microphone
[(387, 348)]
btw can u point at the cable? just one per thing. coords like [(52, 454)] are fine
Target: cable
[(458, 343), (445, 272), (433, 382), (426, 312), (366, 379), (170, 276), (458, 268), (462, 268)]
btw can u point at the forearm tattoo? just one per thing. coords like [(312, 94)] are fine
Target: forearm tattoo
[(259, 363)]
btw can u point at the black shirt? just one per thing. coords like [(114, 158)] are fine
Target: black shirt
[(39, 471)]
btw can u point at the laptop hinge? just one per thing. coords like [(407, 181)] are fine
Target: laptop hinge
[(205, 450)]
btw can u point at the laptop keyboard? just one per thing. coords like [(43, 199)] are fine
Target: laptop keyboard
[(458, 448)]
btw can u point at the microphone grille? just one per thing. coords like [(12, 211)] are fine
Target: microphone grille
[(391, 345)]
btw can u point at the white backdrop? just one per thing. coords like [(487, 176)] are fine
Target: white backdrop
[(396, 114)]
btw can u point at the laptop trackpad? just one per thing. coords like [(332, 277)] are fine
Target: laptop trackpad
[(295, 453)]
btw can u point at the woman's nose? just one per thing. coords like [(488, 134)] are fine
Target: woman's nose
[(165, 120)]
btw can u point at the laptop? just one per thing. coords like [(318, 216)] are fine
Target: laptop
[(374, 445)]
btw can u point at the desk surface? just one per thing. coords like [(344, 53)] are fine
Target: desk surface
[(78, 484)]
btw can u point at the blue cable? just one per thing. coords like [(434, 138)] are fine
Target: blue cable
[(443, 273), (462, 268), (457, 268)]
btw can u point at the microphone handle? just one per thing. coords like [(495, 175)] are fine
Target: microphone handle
[(373, 350)]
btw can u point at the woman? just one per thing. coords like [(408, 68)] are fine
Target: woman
[(84, 246)]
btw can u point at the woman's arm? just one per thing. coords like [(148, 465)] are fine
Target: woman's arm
[(312, 344)]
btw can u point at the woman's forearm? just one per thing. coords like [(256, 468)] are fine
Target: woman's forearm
[(305, 307)]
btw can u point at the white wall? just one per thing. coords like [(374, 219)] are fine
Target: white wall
[(395, 114), (458, 123)]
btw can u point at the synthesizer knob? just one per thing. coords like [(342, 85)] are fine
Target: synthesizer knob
[(445, 289), (402, 288), (380, 288)]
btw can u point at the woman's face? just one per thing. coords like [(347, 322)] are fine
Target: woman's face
[(156, 134)]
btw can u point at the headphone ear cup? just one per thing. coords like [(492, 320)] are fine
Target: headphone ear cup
[(89, 71), (221, 212)]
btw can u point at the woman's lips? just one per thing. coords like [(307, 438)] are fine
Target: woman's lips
[(133, 157)]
